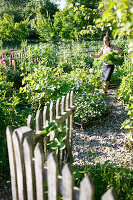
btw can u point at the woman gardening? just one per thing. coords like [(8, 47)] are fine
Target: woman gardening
[(108, 65)]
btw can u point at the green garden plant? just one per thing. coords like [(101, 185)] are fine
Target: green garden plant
[(58, 142), (105, 176)]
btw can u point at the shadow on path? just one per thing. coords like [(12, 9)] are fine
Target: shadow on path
[(99, 143)]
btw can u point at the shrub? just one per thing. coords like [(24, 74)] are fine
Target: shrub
[(105, 176), (11, 31)]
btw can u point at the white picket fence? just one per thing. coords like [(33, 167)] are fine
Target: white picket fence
[(60, 112), (35, 172), (34, 179)]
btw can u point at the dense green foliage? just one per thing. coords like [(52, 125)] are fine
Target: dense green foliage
[(78, 20), (11, 31), (105, 176), (72, 22), (125, 93), (46, 21), (117, 16), (24, 11)]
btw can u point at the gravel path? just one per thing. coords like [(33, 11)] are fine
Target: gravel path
[(100, 143)]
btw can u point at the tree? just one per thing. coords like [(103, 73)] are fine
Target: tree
[(40, 17), (11, 9), (11, 31), (45, 7), (43, 27), (93, 4), (72, 22)]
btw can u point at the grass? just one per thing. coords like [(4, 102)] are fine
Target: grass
[(105, 176)]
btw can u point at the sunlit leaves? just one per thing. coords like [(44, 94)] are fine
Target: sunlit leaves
[(71, 22), (120, 15), (11, 31), (60, 135)]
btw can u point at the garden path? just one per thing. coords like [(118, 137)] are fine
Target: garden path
[(99, 143)]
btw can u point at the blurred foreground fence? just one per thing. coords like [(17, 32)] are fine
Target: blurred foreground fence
[(34, 168)]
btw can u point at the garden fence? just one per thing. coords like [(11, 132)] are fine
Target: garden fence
[(34, 169), (60, 112), (34, 179)]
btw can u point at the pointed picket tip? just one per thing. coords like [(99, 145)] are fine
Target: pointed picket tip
[(51, 159), (23, 132), (109, 195), (30, 122), (45, 121), (57, 108), (51, 111), (71, 99), (67, 170), (68, 183), (51, 104), (63, 104), (9, 131), (38, 149), (86, 188), (67, 101), (38, 120)]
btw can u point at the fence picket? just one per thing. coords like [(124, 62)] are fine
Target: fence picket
[(51, 111), (109, 195), (28, 155), (58, 110), (52, 116), (38, 121), (45, 117), (39, 171), (71, 118), (19, 167), (18, 138), (71, 99), (11, 156), (30, 122), (67, 101), (62, 105), (86, 189), (52, 178), (68, 184), (68, 119)]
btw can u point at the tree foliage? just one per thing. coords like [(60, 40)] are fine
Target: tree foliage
[(45, 7), (72, 22), (88, 4), (118, 17), (11, 8), (40, 17), (11, 31), (43, 26)]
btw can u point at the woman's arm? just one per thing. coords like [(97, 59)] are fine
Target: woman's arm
[(96, 55), (119, 50)]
